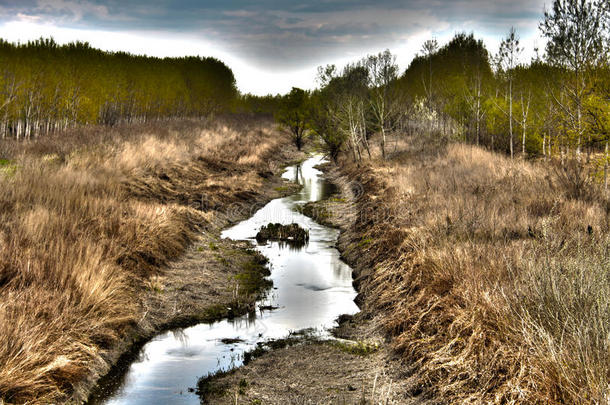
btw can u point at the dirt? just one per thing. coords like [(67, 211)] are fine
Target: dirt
[(325, 372)]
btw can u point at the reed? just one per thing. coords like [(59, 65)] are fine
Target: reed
[(491, 275), (88, 219)]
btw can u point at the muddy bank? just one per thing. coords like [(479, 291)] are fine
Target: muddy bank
[(347, 371), (310, 373), (356, 369)]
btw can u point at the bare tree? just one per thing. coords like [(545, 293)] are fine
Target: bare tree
[(429, 48), (383, 72), (474, 89), (294, 114), (525, 108), (508, 57), (577, 32)]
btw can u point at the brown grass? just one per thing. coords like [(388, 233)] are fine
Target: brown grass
[(87, 219), (491, 275)]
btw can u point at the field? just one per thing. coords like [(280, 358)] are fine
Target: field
[(89, 221), (491, 276), (488, 275)]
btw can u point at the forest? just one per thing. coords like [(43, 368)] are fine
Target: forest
[(555, 105), (46, 87)]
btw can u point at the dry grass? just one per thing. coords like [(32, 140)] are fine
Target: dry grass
[(491, 275), (88, 220)]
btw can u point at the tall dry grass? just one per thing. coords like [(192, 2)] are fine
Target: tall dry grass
[(491, 275), (86, 218)]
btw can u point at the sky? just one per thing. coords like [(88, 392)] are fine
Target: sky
[(271, 45)]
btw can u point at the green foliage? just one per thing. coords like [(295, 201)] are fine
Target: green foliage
[(578, 44), (46, 87), (358, 348), (323, 123), (262, 105), (459, 91), (294, 113), (340, 110), (459, 61), (577, 33), (7, 168)]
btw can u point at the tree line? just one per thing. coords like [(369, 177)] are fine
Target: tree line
[(557, 104), (47, 87)]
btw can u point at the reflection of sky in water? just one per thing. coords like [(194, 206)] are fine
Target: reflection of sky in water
[(312, 287)]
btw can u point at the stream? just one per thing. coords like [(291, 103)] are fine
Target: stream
[(312, 286)]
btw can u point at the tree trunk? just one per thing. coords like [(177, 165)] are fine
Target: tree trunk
[(365, 141), (578, 113), (510, 116), (524, 113), (478, 116), (523, 139), (382, 142), (606, 170), (5, 124)]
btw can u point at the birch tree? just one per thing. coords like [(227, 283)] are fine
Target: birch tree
[(577, 36), (383, 71), (429, 48), (508, 57)]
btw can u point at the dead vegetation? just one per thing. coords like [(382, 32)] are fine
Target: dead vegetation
[(88, 219), (491, 276)]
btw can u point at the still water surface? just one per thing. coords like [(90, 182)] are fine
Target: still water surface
[(311, 288)]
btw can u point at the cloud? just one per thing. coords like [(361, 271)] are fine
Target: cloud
[(71, 10), (239, 13), (289, 35), (28, 18)]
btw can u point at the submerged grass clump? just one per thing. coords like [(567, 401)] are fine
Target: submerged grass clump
[(305, 336), (212, 385), (316, 211), (291, 233), (252, 281), (209, 386)]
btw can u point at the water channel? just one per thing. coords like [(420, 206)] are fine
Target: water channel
[(312, 286)]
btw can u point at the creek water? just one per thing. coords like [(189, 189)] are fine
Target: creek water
[(312, 286)]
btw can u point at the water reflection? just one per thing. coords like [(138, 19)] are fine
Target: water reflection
[(312, 287)]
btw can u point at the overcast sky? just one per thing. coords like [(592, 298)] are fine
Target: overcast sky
[(271, 45)]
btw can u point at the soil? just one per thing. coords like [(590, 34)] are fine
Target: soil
[(326, 372)]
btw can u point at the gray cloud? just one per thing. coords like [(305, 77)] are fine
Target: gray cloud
[(286, 34)]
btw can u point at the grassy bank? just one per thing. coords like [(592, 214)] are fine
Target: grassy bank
[(491, 276), (88, 221)]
